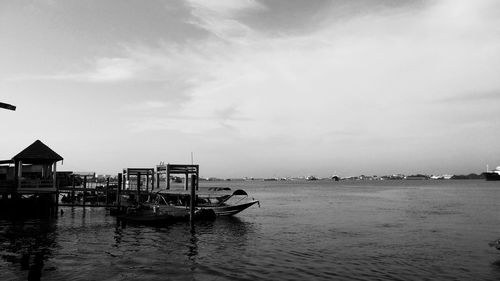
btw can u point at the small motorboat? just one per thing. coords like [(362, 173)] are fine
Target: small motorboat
[(228, 204), (218, 199)]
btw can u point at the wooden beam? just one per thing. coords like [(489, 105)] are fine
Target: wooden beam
[(84, 187), (138, 187), (19, 173), (168, 177), (107, 190), (192, 200), (118, 189), (73, 191)]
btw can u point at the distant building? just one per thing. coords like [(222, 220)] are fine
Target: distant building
[(417, 177)]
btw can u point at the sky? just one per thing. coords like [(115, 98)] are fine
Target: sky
[(254, 88)]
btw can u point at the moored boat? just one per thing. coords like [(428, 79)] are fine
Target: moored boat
[(217, 199), (228, 204), (229, 210), (493, 175)]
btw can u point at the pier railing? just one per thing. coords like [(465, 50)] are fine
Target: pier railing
[(6, 185), (37, 183), (27, 186), (36, 186)]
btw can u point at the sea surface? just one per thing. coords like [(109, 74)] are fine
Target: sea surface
[(303, 230)]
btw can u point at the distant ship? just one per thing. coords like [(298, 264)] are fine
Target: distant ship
[(492, 175), (311, 178)]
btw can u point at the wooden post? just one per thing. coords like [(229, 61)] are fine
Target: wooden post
[(197, 177), (54, 176), (168, 177), (152, 180), (192, 199), (19, 174), (84, 187), (73, 190), (138, 187), (157, 180), (118, 189), (186, 184), (147, 181), (54, 185), (107, 191)]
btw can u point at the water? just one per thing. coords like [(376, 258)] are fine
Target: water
[(316, 230)]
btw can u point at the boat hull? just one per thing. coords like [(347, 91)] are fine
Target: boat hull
[(230, 210), (492, 176), (165, 216)]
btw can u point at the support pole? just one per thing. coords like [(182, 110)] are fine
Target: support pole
[(124, 185), (152, 180), (54, 185), (54, 176), (192, 200), (84, 187), (107, 191), (138, 187), (168, 177), (118, 189), (73, 190), (197, 177), (186, 184), (19, 174)]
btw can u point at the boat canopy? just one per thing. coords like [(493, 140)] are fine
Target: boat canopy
[(213, 191), (239, 192)]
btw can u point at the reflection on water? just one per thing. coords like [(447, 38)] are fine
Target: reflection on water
[(27, 245), (192, 247)]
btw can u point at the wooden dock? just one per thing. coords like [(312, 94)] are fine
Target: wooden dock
[(31, 179)]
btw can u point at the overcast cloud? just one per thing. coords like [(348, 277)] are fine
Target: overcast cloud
[(255, 88)]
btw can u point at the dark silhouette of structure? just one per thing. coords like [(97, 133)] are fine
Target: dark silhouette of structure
[(7, 106), (30, 175)]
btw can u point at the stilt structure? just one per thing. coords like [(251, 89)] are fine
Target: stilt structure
[(161, 171), (31, 173), (185, 170), (141, 175)]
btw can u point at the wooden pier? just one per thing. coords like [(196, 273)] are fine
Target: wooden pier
[(31, 178)]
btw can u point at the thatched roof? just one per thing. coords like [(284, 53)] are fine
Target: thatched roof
[(37, 152)]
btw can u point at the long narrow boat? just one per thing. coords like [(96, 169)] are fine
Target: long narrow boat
[(228, 204), (221, 200), (229, 210)]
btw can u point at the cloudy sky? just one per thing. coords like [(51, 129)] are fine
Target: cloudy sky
[(254, 88)]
